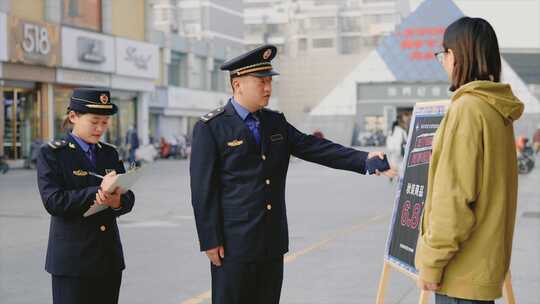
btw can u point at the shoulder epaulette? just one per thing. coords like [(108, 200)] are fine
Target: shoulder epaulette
[(57, 144), (101, 144), (272, 111), (212, 115)]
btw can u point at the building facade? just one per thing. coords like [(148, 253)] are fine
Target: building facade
[(328, 26), (320, 42), (196, 37), (402, 71), (50, 47)]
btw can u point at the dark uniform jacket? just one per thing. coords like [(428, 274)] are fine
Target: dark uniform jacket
[(79, 246), (238, 187)]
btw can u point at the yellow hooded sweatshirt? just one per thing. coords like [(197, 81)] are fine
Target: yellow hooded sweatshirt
[(465, 240)]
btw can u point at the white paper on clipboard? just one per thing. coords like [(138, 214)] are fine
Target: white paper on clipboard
[(124, 181)]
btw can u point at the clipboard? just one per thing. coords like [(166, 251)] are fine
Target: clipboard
[(95, 208), (124, 181)]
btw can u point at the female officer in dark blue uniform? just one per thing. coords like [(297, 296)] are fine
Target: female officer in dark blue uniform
[(84, 254)]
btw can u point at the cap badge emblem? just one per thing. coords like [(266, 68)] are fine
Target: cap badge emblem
[(267, 54), (104, 98)]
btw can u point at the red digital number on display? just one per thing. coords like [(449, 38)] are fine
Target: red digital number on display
[(422, 142), (419, 158), (416, 40), (408, 220)]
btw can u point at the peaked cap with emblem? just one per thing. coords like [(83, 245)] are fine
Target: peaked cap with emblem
[(256, 63), (95, 101)]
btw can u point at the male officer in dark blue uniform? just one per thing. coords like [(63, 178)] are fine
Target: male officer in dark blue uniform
[(84, 254), (239, 161)]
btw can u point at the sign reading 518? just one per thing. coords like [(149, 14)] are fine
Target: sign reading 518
[(34, 42), (36, 39)]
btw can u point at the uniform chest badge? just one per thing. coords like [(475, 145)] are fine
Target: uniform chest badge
[(276, 137), (71, 145), (80, 173), (235, 143)]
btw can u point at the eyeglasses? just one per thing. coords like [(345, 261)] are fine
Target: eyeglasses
[(440, 56)]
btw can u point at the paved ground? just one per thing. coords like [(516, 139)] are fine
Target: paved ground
[(338, 225)]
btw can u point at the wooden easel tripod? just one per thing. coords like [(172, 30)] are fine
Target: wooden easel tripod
[(424, 295)]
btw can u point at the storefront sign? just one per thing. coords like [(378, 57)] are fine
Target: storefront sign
[(33, 42), (83, 78), (137, 59), (402, 91), (87, 51), (3, 37), (28, 72)]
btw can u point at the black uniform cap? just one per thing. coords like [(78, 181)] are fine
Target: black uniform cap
[(255, 63), (95, 101)]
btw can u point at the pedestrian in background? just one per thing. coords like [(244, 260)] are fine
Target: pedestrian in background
[(84, 254), (132, 144), (536, 139), (465, 243), (396, 141)]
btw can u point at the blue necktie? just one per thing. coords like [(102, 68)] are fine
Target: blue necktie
[(253, 125), (91, 155)]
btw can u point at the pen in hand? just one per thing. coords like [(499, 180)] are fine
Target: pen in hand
[(95, 174), (107, 182)]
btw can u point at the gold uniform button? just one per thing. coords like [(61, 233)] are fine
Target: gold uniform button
[(269, 207), (263, 157), (268, 182), (103, 228)]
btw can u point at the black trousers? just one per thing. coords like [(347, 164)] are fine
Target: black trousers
[(86, 290), (243, 283)]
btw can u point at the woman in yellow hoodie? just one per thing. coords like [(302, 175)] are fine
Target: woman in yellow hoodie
[(465, 243)]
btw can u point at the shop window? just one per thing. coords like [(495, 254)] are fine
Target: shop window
[(374, 124), (323, 43), (121, 122), (82, 13), (323, 23), (198, 73), (178, 68), (219, 80), (22, 122), (62, 97)]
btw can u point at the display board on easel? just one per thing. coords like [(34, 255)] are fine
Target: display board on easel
[(410, 198)]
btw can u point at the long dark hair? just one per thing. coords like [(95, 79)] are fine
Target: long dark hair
[(476, 51)]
